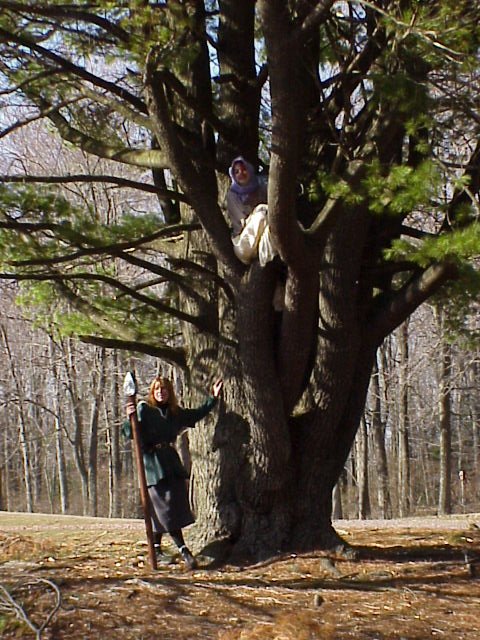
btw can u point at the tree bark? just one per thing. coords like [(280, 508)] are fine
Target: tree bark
[(77, 420), (337, 504), (97, 391), (113, 419), (404, 487), (380, 452), (364, 510), (444, 418), (59, 445)]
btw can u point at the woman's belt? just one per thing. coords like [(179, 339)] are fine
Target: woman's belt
[(161, 445)]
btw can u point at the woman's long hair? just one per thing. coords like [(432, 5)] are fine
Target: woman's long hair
[(172, 401)]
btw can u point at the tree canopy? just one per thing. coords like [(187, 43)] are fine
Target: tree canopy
[(363, 114)]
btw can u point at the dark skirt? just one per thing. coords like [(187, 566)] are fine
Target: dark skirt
[(170, 506)]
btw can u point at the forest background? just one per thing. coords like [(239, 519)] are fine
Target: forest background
[(62, 410), (129, 250)]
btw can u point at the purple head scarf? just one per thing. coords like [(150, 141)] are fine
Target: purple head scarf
[(244, 191)]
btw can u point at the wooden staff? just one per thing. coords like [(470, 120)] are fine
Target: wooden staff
[(130, 390)]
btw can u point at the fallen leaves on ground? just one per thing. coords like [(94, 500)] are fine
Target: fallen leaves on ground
[(408, 583)]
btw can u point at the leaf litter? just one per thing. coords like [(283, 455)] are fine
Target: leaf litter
[(413, 579)]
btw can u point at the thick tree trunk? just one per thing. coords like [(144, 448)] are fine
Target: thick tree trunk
[(275, 466), (261, 480), (216, 443), (240, 455), (336, 396)]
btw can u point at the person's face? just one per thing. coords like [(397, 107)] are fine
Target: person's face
[(160, 393), (241, 173)]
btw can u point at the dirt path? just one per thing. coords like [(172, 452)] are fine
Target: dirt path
[(410, 582)]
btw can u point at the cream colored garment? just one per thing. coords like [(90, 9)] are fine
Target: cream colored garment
[(255, 238)]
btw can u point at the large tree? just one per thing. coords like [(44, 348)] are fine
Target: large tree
[(364, 115)]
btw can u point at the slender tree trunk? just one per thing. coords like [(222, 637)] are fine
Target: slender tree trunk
[(78, 430), (113, 409), (475, 479), (6, 503), (23, 440), (362, 472), (61, 468), (59, 445), (113, 429), (98, 389), (38, 451), (474, 404), (350, 487), (337, 508), (404, 488), (5, 464), (112, 504), (378, 430), (445, 425), (426, 475)]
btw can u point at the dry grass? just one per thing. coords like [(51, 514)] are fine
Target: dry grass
[(410, 582)]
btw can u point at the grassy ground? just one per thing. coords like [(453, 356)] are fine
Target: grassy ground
[(411, 581)]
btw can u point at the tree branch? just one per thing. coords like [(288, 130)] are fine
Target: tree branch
[(395, 309), (317, 16), (288, 120), (465, 194), (176, 278), (70, 67), (67, 233), (428, 36), (23, 123), (411, 232), (171, 355), (150, 159), (9, 603), (167, 274), (202, 188), (69, 12), (121, 182), (91, 311), (174, 83)]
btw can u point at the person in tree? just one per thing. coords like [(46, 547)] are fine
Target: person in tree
[(247, 209), (161, 420)]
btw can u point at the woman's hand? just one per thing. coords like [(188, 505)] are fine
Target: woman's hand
[(217, 388), (131, 408)]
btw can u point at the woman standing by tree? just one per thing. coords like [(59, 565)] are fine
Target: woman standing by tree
[(161, 420)]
